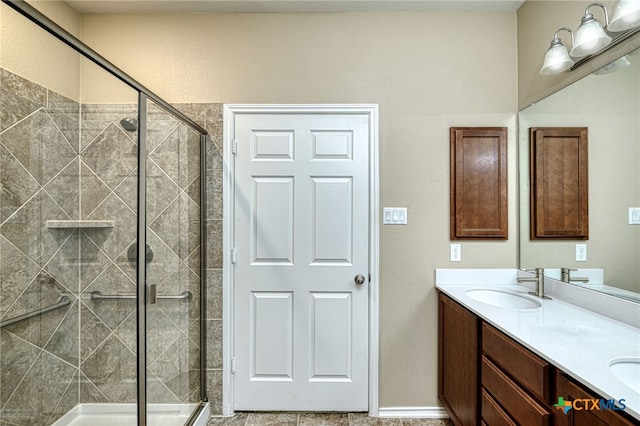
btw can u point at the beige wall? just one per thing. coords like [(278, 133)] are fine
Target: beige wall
[(425, 76), (31, 53), (537, 22), (427, 71)]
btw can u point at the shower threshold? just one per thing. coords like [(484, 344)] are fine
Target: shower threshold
[(126, 414)]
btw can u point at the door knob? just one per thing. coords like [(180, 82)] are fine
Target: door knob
[(359, 279)]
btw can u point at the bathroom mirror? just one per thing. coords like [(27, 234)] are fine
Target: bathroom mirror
[(607, 102)]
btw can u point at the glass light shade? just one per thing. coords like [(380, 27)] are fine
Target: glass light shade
[(626, 16), (557, 59), (589, 38)]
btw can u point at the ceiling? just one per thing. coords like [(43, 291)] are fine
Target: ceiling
[(195, 6)]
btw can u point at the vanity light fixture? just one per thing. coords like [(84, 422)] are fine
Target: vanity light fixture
[(557, 58), (590, 36), (626, 16)]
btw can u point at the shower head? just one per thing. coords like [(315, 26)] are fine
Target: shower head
[(129, 124)]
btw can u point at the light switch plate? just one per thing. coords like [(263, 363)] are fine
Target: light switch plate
[(394, 216), (634, 215)]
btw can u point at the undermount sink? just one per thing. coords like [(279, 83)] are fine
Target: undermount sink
[(627, 370), (503, 299)]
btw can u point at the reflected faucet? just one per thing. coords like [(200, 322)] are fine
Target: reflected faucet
[(538, 278), (565, 276)]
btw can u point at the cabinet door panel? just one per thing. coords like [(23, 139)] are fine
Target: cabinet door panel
[(479, 183), (559, 183), (458, 382), (571, 391)]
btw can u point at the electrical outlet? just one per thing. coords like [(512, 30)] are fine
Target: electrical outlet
[(456, 252), (581, 252)]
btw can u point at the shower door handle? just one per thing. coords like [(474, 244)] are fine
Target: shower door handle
[(152, 295)]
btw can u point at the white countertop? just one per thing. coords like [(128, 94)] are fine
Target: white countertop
[(577, 341)]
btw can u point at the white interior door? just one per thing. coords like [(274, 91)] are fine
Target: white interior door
[(301, 226)]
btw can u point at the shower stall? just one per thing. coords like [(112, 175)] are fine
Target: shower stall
[(102, 316)]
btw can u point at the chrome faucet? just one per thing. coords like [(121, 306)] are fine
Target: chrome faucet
[(565, 276), (538, 278)]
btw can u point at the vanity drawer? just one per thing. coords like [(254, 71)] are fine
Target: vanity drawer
[(531, 371), (522, 408), (492, 413)]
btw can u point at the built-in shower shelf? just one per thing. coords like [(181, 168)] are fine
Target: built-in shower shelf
[(65, 224)]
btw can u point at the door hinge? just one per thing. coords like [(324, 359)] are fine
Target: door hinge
[(234, 255), (233, 365), (234, 148)]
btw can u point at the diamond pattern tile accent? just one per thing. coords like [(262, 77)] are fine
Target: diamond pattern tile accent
[(16, 273), (63, 266), (165, 261), (113, 241), (179, 226), (178, 155), (69, 126), (41, 292), (26, 229), (111, 312), (97, 117), (16, 184), (160, 191), (14, 109), (64, 342), (39, 146), (31, 402), (17, 357), (111, 155), (93, 332), (64, 189), (172, 367), (93, 191), (93, 261), (112, 369)]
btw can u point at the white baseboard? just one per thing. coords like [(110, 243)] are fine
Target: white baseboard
[(407, 412)]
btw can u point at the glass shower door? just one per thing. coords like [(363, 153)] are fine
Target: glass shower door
[(173, 267)]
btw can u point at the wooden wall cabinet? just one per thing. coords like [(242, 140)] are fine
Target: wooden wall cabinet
[(478, 183), (559, 183)]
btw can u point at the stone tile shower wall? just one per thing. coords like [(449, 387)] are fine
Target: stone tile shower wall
[(39, 159), (62, 160)]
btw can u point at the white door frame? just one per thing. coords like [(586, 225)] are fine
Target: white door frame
[(228, 196)]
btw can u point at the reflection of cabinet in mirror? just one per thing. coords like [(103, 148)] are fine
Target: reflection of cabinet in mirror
[(559, 183), (479, 183)]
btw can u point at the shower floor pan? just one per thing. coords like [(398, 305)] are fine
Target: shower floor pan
[(126, 414)]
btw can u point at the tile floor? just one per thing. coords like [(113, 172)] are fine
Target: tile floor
[(320, 419)]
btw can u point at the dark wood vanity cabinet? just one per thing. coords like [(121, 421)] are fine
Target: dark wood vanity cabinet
[(487, 378), (458, 374), (515, 380), (571, 391)]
